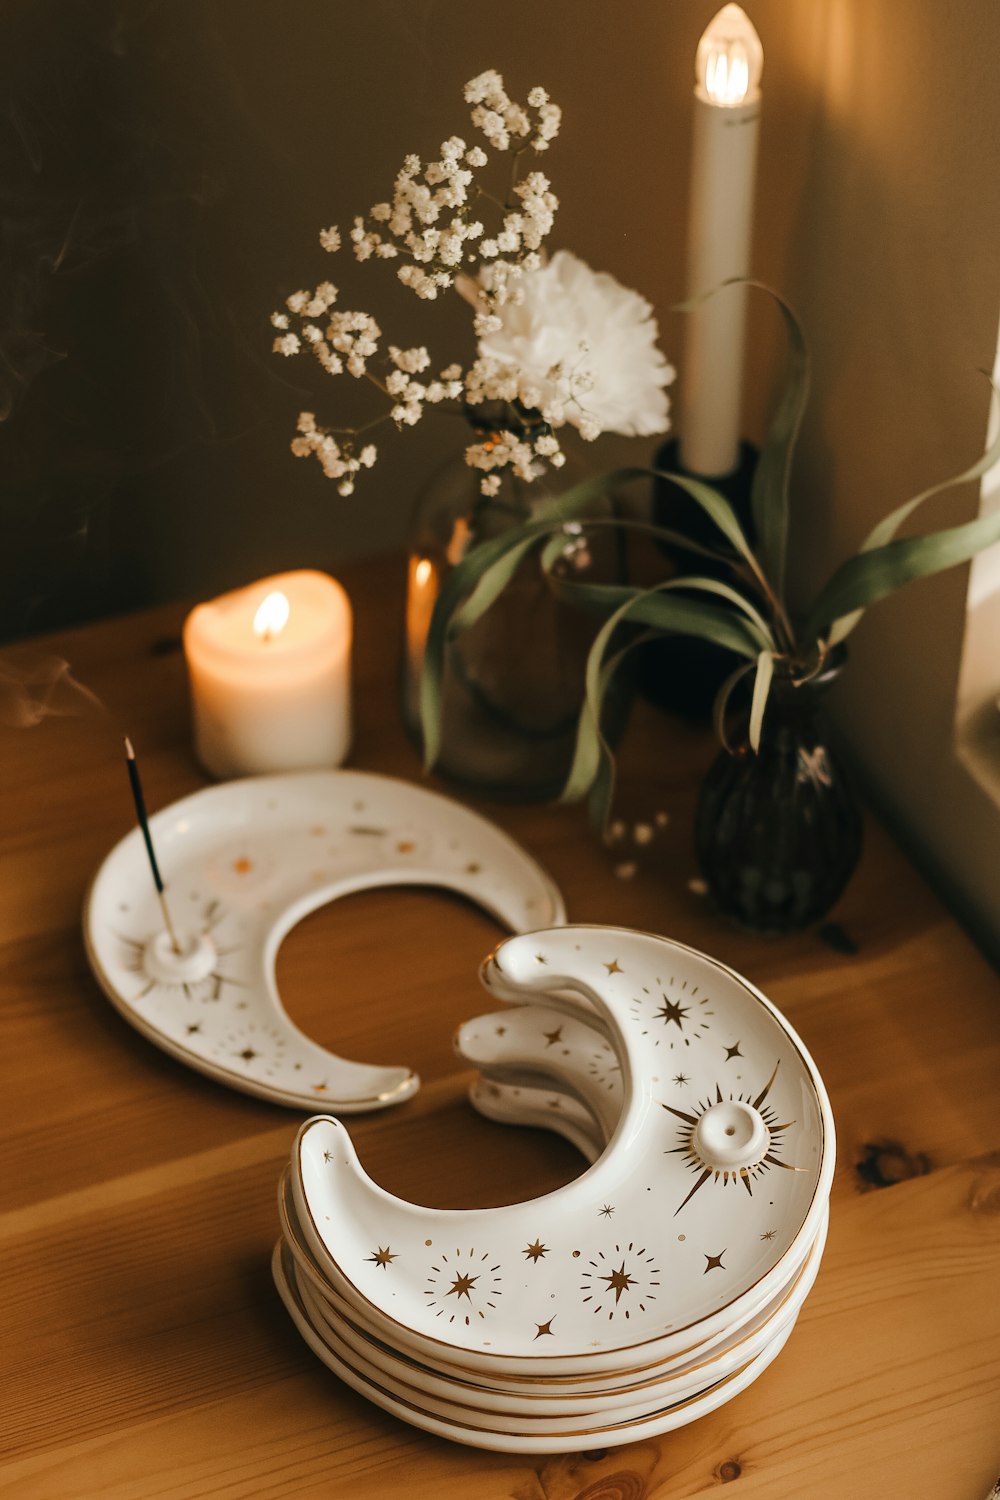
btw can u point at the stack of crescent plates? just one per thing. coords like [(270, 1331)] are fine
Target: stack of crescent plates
[(637, 1298)]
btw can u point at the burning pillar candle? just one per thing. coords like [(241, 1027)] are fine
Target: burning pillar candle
[(269, 667), (726, 119), (421, 596)]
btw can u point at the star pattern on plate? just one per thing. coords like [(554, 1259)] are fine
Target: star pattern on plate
[(628, 1272), (383, 1256), (733, 1051), (677, 1016), (606, 1211), (713, 1262), (463, 1285), (535, 1251), (614, 967), (544, 1328)]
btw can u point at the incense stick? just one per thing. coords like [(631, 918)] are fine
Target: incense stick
[(140, 812)]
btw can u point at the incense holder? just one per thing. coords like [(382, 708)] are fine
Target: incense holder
[(243, 863)]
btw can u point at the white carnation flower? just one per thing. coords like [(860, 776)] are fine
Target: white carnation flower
[(585, 346)]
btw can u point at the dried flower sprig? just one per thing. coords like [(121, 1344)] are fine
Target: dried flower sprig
[(444, 227)]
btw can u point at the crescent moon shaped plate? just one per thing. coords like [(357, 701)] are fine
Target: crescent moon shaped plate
[(633, 1399), (709, 1193), (244, 862), (554, 1440)]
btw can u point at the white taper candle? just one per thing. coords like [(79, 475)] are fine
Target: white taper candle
[(726, 120)]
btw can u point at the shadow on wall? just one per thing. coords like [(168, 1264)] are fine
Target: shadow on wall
[(145, 423), (164, 171)]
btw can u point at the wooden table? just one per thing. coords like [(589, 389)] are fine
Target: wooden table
[(145, 1353)]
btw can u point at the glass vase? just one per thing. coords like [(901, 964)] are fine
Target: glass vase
[(513, 682), (778, 833)]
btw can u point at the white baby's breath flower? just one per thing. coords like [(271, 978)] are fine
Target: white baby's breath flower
[(587, 344), (288, 343), (279, 320), (330, 238)]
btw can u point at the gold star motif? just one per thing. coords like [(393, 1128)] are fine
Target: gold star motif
[(714, 1263), (606, 1211), (195, 1026), (614, 967), (328, 1156), (540, 958), (248, 1054), (319, 1088), (672, 1010), (551, 1037), (462, 1286), (681, 1078), (545, 1328), (733, 1051), (535, 1251), (383, 1256), (619, 1281), (769, 1234)]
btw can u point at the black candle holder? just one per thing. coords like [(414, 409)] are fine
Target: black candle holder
[(682, 674)]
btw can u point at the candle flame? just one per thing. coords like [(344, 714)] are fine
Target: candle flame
[(422, 571), (272, 616), (730, 59)]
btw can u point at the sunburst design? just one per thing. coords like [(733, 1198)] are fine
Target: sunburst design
[(674, 1015), (463, 1286), (260, 1048), (746, 1175), (622, 1282), (207, 989)]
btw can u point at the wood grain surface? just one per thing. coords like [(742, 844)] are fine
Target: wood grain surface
[(145, 1353)]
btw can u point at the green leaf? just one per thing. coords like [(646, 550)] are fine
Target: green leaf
[(593, 763), (761, 688), (491, 582), (870, 576), (890, 524), (601, 598), (722, 698), (769, 494), (718, 510)]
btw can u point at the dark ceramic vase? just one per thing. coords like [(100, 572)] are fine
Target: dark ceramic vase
[(778, 834)]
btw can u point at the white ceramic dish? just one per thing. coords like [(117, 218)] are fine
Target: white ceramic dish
[(664, 1242), (583, 1381), (246, 860), (500, 1439), (355, 1346), (566, 1049), (524, 1103)]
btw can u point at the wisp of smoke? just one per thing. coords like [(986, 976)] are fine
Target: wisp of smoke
[(46, 689)]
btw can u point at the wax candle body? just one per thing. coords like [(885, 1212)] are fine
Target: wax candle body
[(723, 168), (271, 701)]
